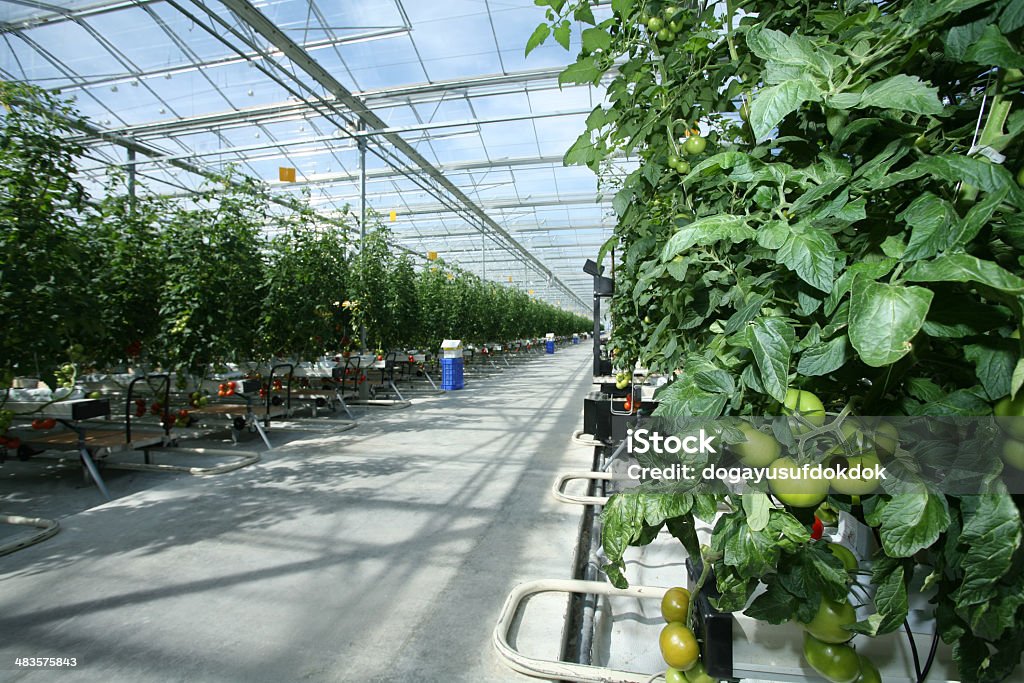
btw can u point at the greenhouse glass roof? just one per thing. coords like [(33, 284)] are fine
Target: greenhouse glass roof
[(464, 134)]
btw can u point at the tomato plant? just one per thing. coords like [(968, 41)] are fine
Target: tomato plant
[(127, 261), (214, 278), (847, 242), (44, 254), (307, 276)]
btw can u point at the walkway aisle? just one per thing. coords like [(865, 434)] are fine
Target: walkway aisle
[(379, 554)]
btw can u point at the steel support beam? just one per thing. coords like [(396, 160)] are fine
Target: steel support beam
[(319, 140), (302, 60), (285, 111)]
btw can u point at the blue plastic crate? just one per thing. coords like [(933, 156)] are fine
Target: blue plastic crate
[(452, 374), (550, 346)]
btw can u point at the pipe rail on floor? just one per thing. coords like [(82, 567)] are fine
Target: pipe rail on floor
[(556, 669), (47, 528), (557, 488)]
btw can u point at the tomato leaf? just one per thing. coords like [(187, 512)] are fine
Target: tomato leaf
[(705, 231), (756, 506), (811, 253), (1017, 379), (537, 38), (920, 13), (585, 14), (772, 340), (965, 268), (891, 601), (774, 606), (596, 39), (684, 398), (584, 70), (1012, 17), (993, 49), (994, 360), (902, 92), (623, 8), (955, 168), (910, 522), (823, 358), (884, 318), (929, 218), (775, 102), (991, 535), (563, 34)]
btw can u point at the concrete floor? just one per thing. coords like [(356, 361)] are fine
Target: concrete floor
[(379, 554)]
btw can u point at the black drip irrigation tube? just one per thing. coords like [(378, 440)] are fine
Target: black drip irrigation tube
[(578, 638)]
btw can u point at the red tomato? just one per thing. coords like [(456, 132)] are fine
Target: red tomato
[(817, 529)]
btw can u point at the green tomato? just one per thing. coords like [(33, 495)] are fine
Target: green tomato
[(94, 394), (759, 450), (845, 556), (678, 646), (827, 624), (683, 167), (694, 145), (835, 663), (674, 676), (1013, 453), (868, 671), (655, 24), (698, 674), (805, 404), (675, 26), (863, 485), (673, 160), (675, 604), (670, 11), (1009, 413), (886, 438), (793, 491), (665, 35), (745, 111)]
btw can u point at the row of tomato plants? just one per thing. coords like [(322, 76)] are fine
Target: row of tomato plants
[(220, 276), (827, 206)]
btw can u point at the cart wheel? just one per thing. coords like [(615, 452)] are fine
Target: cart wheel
[(238, 424), (321, 403)]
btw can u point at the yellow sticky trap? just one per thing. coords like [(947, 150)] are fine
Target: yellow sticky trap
[(394, 216), (510, 278), (286, 174), (431, 255)]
